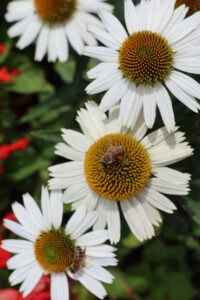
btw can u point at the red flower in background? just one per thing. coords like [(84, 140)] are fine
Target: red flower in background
[(41, 292), (1, 169), (4, 257), (3, 48), (15, 72), (4, 75), (9, 294), (7, 149)]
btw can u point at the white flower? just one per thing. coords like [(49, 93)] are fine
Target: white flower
[(49, 248), (111, 165), (141, 68), (54, 24)]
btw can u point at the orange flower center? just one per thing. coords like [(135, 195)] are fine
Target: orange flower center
[(117, 167), (54, 251), (145, 58), (55, 11)]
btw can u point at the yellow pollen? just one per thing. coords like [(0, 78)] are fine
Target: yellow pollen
[(145, 58), (54, 251), (194, 5), (55, 11), (121, 177)]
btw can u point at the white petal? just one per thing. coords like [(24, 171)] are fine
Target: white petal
[(130, 16), (86, 224), (74, 37), (17, 246), (169, 188), (99, 273), (42, 43), (113, 95), (93, 285), (34, 211), (157, 200), (19, 230), (76, 220), (104, 37), (113, 221), (181, 95), (46, 208), (114, 27), (133, 220), (56, 208), (101, 251), (21, 260), (76, 140), (31, 280), (92, 238), (149, 106), (59, 286), (165, 106), (101, 53), (30, 33), (26, 221)]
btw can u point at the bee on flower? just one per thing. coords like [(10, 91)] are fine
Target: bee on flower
[(49, 248), (111, 166)]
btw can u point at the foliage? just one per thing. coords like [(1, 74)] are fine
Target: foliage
[(43, 99)]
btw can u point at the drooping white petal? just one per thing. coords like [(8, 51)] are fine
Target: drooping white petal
[(113, 221), (59, 286), (99, 273), (93, 285)]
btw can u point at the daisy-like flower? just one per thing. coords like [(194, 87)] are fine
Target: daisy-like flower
[(112, 165), (48, 248), (193, 5), (54, 24), (141, 68)]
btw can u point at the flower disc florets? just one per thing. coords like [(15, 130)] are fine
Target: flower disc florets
[(124, 174), (54, 250), (145, 58), (55, 11)]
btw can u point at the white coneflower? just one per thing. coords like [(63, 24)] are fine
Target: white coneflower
[(50, 249), (54, 24), (142, 66), (111, 165)]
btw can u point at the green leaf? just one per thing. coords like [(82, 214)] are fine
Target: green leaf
[(66, 70), (180, 287), (31, 79), (48, 135), (30, 168)]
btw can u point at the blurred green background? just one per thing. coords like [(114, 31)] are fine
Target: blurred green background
[(44, 98)]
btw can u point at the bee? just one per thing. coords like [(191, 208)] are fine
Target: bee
[(79, 260), (111, 153)]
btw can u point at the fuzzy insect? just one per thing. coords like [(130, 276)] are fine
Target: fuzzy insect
[(111, 153), (79, 260)]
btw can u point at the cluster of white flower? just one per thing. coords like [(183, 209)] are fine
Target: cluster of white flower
[(113, 162)]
